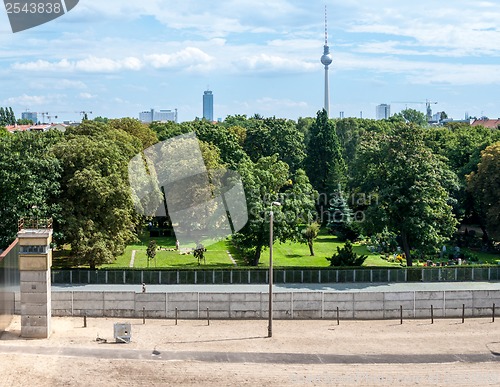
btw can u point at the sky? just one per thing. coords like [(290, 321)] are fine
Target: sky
[(119, 57)]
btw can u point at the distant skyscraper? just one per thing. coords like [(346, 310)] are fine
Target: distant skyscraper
[(383, 111), (32, 116), (208, 105), (326, 60), (162, 116)]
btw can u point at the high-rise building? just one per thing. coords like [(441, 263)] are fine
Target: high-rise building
[(162, 116), (383, 111), (326, 60), (32, 116), (208, 106)]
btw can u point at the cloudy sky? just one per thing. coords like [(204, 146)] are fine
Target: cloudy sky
[(119, 57)]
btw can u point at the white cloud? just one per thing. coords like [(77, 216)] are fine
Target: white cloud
[(423, 72), (91, 64), (190, 56), (87, 96), (106, 65), (58, 84), (31, 100), (274, 63)]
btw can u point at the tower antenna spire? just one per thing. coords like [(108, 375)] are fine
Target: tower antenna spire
[(326, 26)]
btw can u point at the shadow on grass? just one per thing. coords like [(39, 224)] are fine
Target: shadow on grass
[(327, 239)]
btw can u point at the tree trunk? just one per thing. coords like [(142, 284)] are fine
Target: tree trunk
[(256, 257), (311, 249), (485, 238), (406, 249)]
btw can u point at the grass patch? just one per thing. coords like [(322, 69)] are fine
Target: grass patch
[(284, 255)]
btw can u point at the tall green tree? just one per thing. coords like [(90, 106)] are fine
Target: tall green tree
[(12, 117), (412, 116), (485, 188), (267, 181), (461, 145), (135, 128), (3, 117), (324, 163), (98, 216), (272, 135), (413, 186), (29, 180)]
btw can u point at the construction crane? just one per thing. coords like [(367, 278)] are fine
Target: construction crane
[(54, 115), (427, 106), (85, 114)]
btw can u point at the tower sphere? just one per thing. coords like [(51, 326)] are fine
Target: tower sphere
[(326, 59)]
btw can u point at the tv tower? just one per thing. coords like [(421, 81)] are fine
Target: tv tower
[(326, 60)]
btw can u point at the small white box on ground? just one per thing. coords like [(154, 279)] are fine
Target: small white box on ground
[(123, 332)]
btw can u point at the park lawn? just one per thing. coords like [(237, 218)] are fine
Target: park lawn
[(284, 255), (298, 255), (215, 256)]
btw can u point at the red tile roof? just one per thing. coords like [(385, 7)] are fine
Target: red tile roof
[(18, 128), (487, 123)]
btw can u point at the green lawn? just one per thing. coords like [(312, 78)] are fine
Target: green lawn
[(297, 254), (284, 255), (215, 256)]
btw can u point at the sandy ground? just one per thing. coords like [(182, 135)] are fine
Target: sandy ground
[(73, 357)]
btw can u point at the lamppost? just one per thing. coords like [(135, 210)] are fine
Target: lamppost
[(270, 326)]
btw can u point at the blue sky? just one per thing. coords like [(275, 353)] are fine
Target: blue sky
[(119, 57)]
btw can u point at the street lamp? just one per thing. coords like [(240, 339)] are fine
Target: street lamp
[(270, 326)]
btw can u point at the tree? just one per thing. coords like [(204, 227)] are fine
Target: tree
[(151, 250), (413, 116), (324, 163), (135, 128), (310, 233), (24, 121), (268, 136), (199, 253), (98, 216), (345, 257), (265, 182), (484, 185), (224, 139), (341, 218), (29, 180), (12, 117), (413, 186), (462, 145)]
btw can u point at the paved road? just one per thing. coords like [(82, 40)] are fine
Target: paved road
[(105, 352), (340, 287)]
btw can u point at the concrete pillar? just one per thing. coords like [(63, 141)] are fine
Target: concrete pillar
[(35, 260)]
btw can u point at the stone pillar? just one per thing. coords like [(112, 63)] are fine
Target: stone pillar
[(35, 260)]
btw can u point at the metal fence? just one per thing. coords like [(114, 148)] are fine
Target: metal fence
[(282, 276)]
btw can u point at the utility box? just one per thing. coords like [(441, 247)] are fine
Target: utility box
[(123, 332)]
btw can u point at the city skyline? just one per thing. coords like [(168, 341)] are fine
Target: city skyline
[(117, 57)]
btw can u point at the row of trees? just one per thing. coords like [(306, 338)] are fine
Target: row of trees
[(7, 116), (397, 178)]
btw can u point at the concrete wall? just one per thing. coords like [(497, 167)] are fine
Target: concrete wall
[(296, 305)]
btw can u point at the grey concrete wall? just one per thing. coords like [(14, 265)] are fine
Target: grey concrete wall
[(291, 305)]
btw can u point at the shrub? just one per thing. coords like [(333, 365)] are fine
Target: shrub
[(345, 256)]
